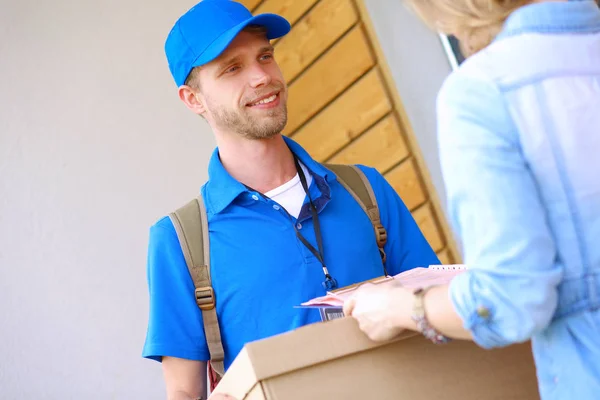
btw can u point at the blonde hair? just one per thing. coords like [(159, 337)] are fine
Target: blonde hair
[(475, 23)]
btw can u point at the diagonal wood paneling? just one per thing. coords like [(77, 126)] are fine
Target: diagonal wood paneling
[(312, 35), (405, 180), (438, 230), (291, 10), (445, 257), (425, 218), (250, 4), (358, 108), (344, 63), (381, 147)]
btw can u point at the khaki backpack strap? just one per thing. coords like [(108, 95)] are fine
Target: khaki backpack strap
[(357, 184), (191, 225)]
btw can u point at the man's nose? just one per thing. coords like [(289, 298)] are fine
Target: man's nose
[(259, 77)]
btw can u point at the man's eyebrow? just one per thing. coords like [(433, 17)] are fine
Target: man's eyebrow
[(226, 62), (267, 49)]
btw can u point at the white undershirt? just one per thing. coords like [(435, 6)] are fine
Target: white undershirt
[(291, 194)]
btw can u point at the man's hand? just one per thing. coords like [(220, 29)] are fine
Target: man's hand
[(382, 310)]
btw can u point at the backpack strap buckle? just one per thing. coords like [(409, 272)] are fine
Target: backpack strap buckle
[(380, 234), (381, 237), (191, 225), (205, 298)]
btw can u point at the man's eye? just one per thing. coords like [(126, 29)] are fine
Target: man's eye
[(266, 57), (232, 69)]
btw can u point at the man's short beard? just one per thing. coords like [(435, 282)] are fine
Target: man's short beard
[(248, 127)]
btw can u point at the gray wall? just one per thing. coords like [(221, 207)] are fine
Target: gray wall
[(419, 65), (94, 147)]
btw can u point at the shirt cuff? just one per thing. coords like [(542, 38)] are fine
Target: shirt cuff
[(475, 310), (154, 351)]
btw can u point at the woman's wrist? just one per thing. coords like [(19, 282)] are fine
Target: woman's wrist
[(421, 320), (403, 311)]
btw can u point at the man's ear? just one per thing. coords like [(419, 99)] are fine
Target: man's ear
[(192, 99)]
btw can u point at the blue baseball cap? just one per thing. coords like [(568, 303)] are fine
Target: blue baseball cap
[(204, 32)]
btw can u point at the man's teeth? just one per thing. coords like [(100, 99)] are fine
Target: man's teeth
[(265, 101)]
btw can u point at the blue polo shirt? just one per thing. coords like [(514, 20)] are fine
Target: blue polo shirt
[(260, 270)]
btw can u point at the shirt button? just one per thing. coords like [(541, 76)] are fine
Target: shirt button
[(299, 225), (483, 312), (276, 207), (255, 197)]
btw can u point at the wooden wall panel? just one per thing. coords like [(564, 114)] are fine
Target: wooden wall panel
[(313, 34), (347, 61), (439, 233), (250, 4), (405, 180), (426, 220), (381, 147), (291, 10), (343, 120), (445, 257)]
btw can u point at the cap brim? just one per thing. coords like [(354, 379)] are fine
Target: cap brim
[(276, 26)]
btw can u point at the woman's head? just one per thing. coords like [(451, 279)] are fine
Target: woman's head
[(474, 22)]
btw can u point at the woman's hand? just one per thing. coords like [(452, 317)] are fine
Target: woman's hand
[(382, 310)]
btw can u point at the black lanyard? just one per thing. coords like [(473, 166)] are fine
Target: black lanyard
[(330, 283)]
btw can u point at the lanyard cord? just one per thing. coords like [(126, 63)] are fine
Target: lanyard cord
[(330, 283)]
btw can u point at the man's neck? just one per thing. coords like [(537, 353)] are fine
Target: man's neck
[(263, 164)]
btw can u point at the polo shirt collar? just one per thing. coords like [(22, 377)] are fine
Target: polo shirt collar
[(222, 189)]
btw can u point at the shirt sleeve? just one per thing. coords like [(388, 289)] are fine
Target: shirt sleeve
[(406, 247), (175, 326), (510, 291)]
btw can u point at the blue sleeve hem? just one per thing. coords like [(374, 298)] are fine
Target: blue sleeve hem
[(157, 351)]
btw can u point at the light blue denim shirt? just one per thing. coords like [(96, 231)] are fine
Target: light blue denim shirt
[(519, 135)]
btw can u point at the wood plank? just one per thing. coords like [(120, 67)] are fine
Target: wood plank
[(250, 4), (337, 69), (429, 226), (313, 34), (445, 257), (407, 183), (395, 97), (291, 10), (381, 147), (354, 111)]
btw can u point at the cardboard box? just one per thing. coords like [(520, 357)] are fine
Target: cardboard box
[(335, 360)]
